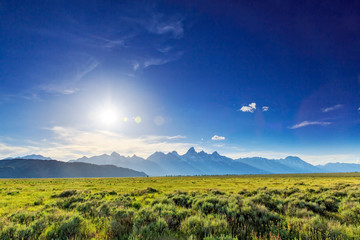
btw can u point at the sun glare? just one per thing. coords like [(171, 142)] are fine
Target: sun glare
[(108, 116)]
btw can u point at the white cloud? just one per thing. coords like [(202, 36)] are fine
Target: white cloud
[(8, 150), (253, 105), (265, 108), (217, 138), (359, 109), (250, 108), (332, 108), (70, 143), (307, 123)]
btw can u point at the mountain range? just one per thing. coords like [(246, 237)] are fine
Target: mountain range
[(30, 168), (202, 163), (32, 156), (173, 164), (197, 163)]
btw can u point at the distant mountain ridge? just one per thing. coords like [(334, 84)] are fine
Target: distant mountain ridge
[(30, 168), (134, 162), (340, 167), (289, 164), (202, 163), (32, 156)]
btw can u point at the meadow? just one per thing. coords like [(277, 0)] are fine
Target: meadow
[(304, 206)]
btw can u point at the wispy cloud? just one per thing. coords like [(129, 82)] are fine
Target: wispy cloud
[(217, 138), (109, 43), (159, 25), (332, 108), (308, 123), (7, 150), (136, 66), (69, 143), (157, 51), (61, 90), (82, 71), (249, 108), (165, 49), (26, 96), (67, 87), (157, 61), (265, 108)]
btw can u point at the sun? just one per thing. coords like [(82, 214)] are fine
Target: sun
[(108, 116)]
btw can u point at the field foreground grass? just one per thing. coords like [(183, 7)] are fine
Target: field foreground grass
[(307, 206)]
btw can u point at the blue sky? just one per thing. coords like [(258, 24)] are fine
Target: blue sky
[(244, 78)]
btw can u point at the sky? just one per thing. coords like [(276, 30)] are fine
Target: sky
[(244, 78)]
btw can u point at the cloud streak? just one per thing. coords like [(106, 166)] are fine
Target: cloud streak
[(332, 108), (68, 87), (308, 123)]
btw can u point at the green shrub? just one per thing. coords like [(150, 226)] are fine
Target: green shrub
[(38, 227), (200, 227), (350, 212), (88, 208), (157, 229), (72, 228), (23, 217), (121, 224), (136, 205), (220, 238), (23, 232), (67, 193), (8, 232)]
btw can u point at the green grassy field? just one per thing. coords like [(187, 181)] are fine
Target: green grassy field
[(308, 206)]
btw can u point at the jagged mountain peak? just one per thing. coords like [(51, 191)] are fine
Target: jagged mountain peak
[(293, 158), (215, 153), (191, 151), (202, 153), (175, 153), (115, 154), (156, 155)]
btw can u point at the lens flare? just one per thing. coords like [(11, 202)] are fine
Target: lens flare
[(138, 119)]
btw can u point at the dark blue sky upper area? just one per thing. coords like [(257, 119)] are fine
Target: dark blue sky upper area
[(194, 63)]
